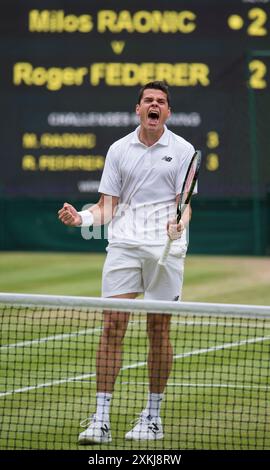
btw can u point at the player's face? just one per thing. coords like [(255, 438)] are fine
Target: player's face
[(153, 109)]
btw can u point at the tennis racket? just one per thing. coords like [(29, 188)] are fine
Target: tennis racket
[(185, 197)]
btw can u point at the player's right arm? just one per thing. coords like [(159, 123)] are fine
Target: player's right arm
[(98, 214)]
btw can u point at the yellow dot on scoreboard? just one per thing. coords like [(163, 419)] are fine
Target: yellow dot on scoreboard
[(235, 22)]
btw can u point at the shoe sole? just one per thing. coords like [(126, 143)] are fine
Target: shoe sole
[(131, 438), (93, 440)]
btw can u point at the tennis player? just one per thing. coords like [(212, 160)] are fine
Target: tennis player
[(140, 185)]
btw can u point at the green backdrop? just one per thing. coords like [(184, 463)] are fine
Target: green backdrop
[(218, 227)]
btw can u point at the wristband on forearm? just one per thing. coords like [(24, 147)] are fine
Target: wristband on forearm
[(87, 218)]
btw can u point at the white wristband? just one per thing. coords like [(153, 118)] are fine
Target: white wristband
[(87, 218)]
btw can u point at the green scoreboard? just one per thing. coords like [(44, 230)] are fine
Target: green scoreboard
[(70, 75)]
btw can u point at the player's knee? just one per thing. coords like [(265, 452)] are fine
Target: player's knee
[(114, 330), (158, 329)]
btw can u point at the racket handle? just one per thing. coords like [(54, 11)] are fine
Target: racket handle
[(166, 250)]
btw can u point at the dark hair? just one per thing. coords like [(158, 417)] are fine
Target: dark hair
[(156, 85)]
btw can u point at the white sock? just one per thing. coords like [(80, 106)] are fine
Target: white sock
[(153, 404), (103, 406)]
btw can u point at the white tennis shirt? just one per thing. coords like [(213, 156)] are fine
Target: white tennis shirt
[(146, 180)]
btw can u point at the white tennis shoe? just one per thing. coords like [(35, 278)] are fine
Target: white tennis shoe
[(97, 432), (146, 429)]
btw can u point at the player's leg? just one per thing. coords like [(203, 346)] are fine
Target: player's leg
[(121, 279), (120, 272), (168, 286), (160, 359), (109, 353), (108, 364)]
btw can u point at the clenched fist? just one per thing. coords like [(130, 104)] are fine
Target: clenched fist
[(174, 229), (69, 216)]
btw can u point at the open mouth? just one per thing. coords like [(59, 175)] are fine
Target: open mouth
[(153, 116)]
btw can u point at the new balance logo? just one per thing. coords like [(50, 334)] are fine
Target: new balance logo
[(153, 427), (104, 429), (167, 159)]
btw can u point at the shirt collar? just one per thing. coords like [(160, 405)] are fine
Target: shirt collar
[(164, 139)]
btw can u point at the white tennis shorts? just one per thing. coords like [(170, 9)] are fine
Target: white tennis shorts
[(129, 269)]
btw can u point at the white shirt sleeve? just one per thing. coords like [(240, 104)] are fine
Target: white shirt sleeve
[(110, 182), (181, 173)]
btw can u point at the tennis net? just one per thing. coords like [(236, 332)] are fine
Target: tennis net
[(217, 395)]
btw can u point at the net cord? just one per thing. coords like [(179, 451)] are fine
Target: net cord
[(138, 305)]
